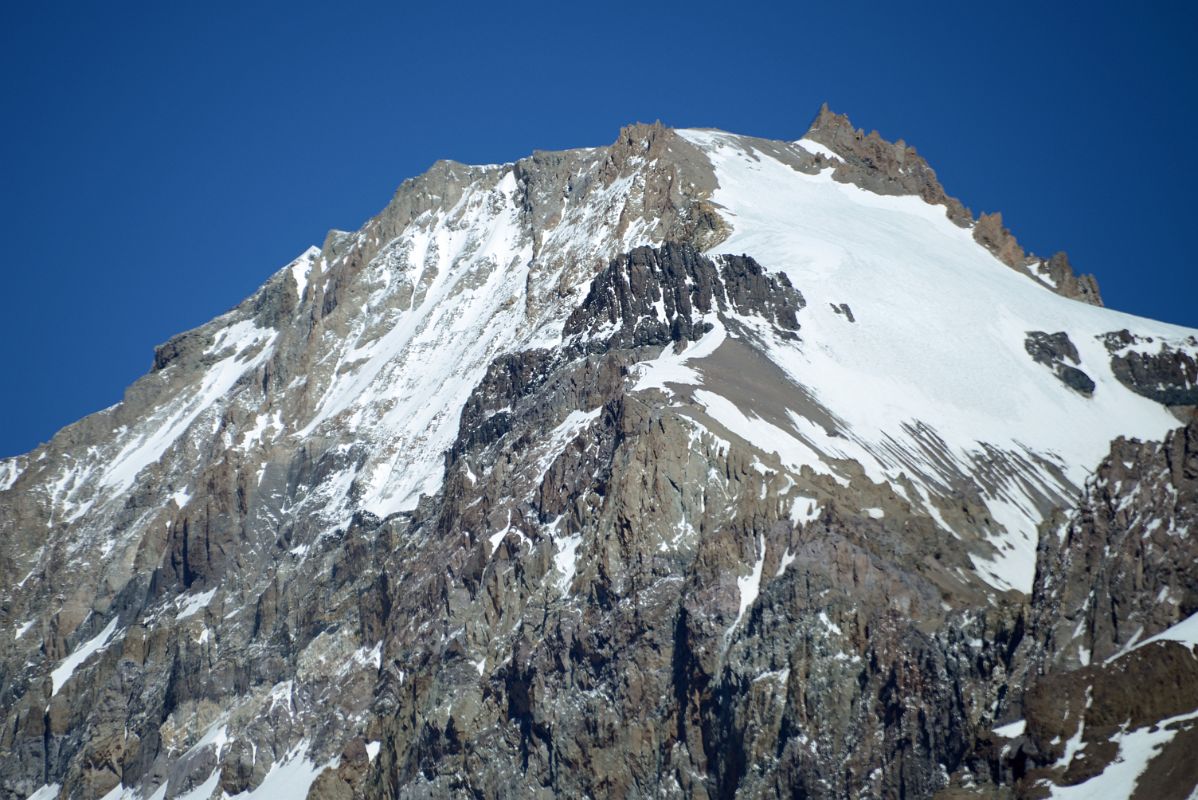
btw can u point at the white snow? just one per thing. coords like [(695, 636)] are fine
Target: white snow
[(815, 148), (204, 790), (402, 373), (10, 470), (1012, 729), (932, 379), (1136, 749), (829, 624), (292, 776), (67, 668), (372, 750), (302, 267), (748, 586), (194, 603), (563, 434), (262, 424), (804, 510), (565, 560), (1184, 632), (22, 629), (48, 791), (671, 367), (766, 436), (215, 736), (370, 656), (166, 424)]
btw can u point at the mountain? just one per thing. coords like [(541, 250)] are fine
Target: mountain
[(698, 465)]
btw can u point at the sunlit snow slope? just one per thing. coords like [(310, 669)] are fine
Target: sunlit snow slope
[(931, 377)]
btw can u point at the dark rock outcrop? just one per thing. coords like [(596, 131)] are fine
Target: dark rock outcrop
[(655, 296), (1169, 375), (1053, 350)]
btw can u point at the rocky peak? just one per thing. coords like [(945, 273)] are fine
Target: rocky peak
[(880, 166), (550, 481)]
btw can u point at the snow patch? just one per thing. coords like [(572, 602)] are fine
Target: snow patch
[(1012, 730), (815, 148), (748, 586), (82, 653), (562, 435), (10, 470), (193, 603), (1136, 749), (301, 268), (1184, 633), (291, 776), (163, 427), (565, 560), (671, 367)]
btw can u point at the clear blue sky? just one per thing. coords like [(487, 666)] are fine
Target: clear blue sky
[(160, 160)]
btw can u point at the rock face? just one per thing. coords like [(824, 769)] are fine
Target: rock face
[(1165, 371), (1055, 351), (683, 467), (1110, 651)]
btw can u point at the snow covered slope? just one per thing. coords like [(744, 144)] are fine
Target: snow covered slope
[(929, 376)]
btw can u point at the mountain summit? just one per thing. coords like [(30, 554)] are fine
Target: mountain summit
[(698, 465)]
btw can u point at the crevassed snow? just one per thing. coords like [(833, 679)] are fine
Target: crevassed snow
[(63, 672), (932, 378), (193, 603)]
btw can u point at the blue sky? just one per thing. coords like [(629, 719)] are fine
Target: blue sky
[(160, 160)]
